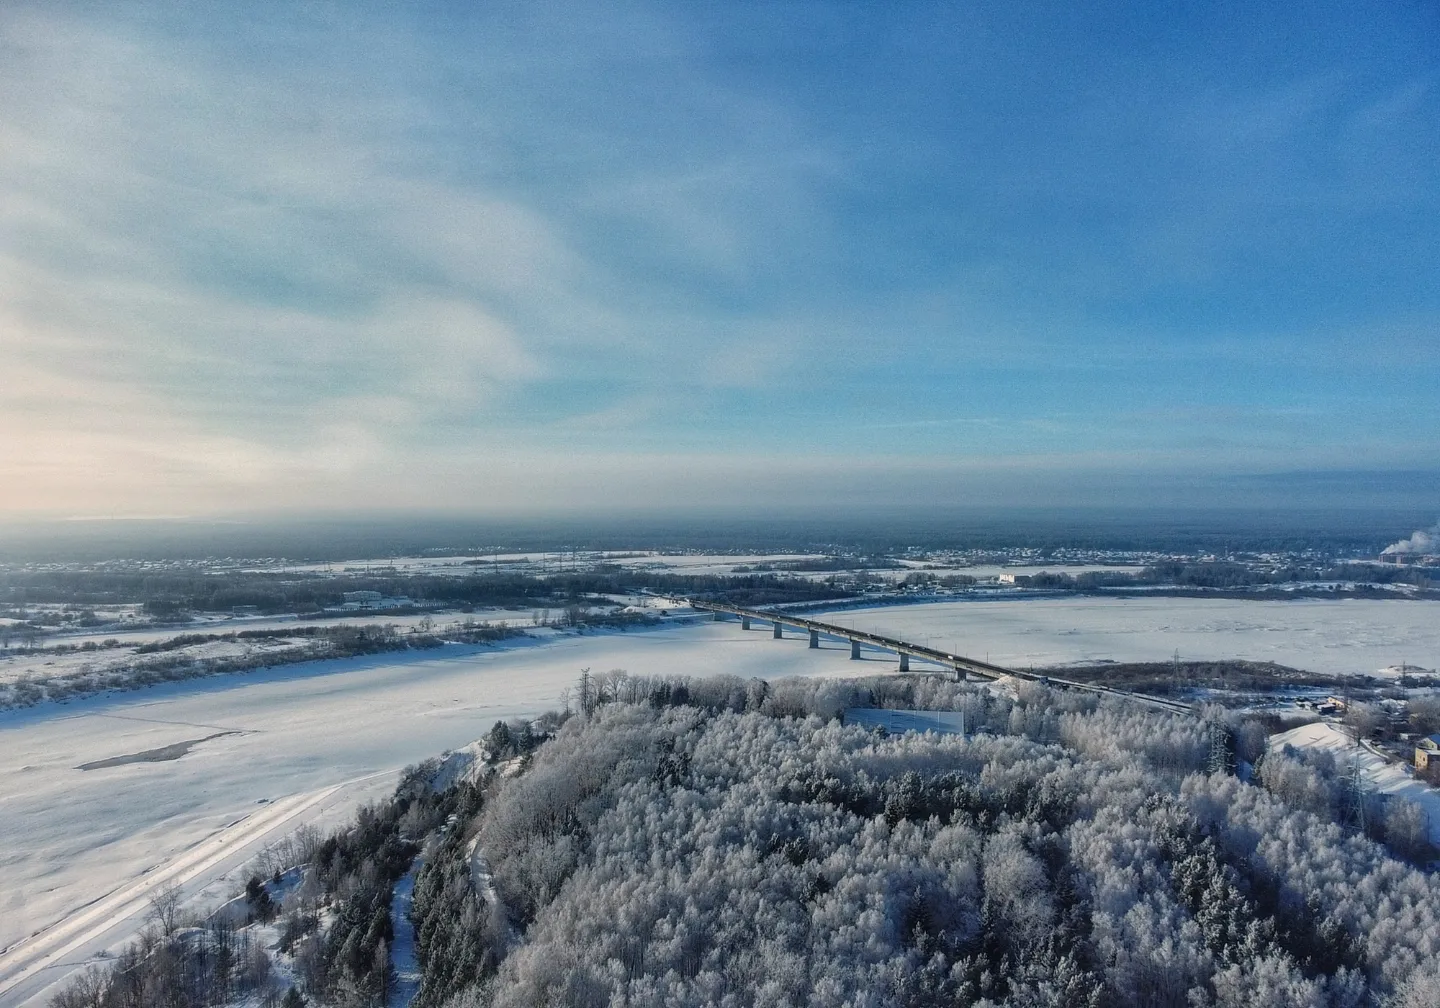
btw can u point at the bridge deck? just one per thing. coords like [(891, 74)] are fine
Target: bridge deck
[(960, 663)]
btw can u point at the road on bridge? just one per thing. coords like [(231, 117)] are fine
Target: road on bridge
[(906, 650)]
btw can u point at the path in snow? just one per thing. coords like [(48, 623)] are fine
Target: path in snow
[(402, 948)]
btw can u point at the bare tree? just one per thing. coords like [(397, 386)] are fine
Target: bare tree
[(612, 685), (587, 692), (308, 840), (84, 990), (1365, 718), (299, 848), (1425, 715), (165, 907)]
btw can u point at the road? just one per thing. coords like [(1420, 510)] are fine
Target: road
[(30, 967)]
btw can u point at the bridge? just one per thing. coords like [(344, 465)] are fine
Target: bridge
[(960, 665)]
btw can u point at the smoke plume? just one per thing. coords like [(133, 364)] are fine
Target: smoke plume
[(1423, 541)]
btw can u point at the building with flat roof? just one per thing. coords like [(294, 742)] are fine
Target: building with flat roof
[(896, 722)]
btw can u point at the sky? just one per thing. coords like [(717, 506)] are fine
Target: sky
[(521, 257)]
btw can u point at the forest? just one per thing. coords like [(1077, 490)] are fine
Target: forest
[(733, 842), (171, 595)]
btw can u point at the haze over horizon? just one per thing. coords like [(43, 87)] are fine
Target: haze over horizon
[(541, 258)]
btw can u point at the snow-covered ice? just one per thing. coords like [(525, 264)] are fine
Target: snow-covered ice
[(1331, 637)]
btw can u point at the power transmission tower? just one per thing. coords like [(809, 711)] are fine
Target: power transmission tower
[(1353, 803), (1221, 758)]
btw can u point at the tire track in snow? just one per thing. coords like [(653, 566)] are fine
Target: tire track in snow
[(29, 957), (166, 721)]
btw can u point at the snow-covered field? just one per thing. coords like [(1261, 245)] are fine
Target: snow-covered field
[(1339, 637), (314, 739)]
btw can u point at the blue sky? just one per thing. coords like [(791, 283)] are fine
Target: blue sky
[(500, 257)]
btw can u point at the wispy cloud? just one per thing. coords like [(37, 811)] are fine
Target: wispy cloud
[(344, 254)]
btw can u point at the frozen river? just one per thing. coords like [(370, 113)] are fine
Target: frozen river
[(307, 742), (1339, 637)]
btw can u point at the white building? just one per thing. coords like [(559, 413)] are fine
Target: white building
[(896, 722)]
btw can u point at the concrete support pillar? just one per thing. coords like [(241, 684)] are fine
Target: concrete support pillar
[(744, 622), (777, 634), (904, 662), (814, 638), (854, 650)]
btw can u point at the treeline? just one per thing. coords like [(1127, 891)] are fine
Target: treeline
[(164, 661), (1223, 575), (816, 565), (1171, 677), (353, 639), (171, 594)]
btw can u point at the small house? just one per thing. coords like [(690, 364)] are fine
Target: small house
[(1427, 754)]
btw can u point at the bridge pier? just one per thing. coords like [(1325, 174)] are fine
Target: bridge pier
[(964, 669)]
